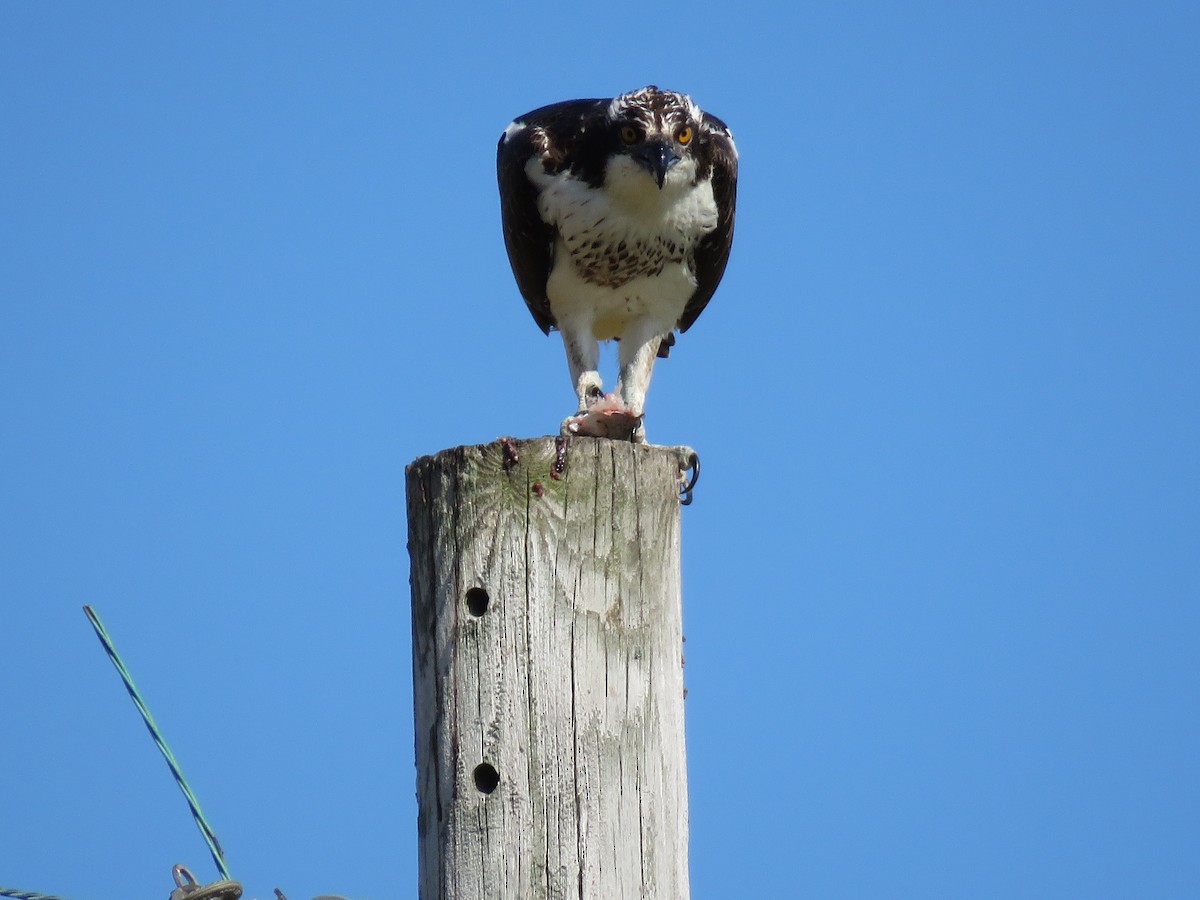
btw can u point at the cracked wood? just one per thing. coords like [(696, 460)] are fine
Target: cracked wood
[(548, 702)]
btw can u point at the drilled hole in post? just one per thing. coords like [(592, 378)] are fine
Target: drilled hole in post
[(486, 778), (477, 601)]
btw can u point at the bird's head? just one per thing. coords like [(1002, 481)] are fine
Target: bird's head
[(653, 131)]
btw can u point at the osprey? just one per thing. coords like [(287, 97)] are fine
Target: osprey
[(618, 218)]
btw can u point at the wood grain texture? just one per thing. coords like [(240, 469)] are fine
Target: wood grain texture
[(569, 685)]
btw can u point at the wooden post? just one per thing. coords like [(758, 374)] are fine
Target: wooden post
[(547, 671)]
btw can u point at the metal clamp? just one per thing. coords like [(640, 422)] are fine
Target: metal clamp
[(188, 888)]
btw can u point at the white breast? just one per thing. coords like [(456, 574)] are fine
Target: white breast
[(624, 252)]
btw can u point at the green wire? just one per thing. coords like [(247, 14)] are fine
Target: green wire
[(214, 846)]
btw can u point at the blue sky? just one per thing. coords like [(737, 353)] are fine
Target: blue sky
[(941, 576)]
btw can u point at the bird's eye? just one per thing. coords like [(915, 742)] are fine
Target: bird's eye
[(684, 134), (629, 134)]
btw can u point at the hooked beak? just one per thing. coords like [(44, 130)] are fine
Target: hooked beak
[(656, 156)]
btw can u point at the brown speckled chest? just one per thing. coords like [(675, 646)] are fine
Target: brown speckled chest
[(606, 264)]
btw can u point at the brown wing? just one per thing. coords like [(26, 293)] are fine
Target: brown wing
[(712, 253), (551, 132)]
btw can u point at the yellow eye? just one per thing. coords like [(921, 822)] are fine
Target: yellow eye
[(684, 134), (629, 134)]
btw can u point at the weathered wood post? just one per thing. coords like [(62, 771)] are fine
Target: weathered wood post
[(547, 671)]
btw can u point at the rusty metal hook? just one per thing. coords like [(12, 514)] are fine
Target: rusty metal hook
[(685, 492)]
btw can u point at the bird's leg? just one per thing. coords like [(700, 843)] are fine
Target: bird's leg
[(583, 359), (639, 348), (600, 414)]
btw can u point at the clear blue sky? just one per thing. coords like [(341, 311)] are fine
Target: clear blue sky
[(942, 575)]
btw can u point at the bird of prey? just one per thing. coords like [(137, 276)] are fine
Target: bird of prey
[(618, 219)]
